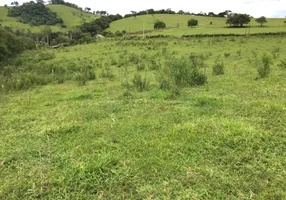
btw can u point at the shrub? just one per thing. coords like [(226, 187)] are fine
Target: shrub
[(282, 64), (134, 58), (275, 52), (107, 73), (264, 64), (118, 34), (179, 73), (218, 67), (63, 26), (193, 22), (140, 83), (140, 67), (159, 25), (46, 56), (84, 76), (226, 55)]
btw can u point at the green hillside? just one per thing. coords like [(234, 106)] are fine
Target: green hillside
[(71, 17), (177, 25)]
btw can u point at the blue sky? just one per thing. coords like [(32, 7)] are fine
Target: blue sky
[(256, 8)]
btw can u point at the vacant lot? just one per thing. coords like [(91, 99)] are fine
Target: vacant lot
[(121, 135)]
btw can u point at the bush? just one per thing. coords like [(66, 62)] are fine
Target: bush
[(264, 64), (193, 22), (140, 67), (118, 34), (84, 76), (275, 52), (46, 56), (282, 64), (140, 83), (107, 73), (179, 73), (159, 25), (218, 68)]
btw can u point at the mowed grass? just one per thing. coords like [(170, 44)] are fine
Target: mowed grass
[(177, 25), (223, 140), (71, 17)]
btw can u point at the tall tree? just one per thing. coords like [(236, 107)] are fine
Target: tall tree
[(15, 3), (134, 13), (87, 9), (238, 19)]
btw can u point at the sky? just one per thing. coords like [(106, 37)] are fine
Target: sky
[(255, 8)]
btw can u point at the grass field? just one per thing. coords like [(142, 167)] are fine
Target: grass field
[(71, 17), (178, 25), (106, 140)]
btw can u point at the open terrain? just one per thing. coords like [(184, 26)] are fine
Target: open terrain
[(177, 25), (115, 137), (71, 17)]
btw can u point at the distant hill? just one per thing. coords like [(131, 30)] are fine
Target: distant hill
[(71, 17), (177, 25)]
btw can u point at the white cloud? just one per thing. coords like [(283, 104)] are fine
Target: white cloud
[(256, 8)]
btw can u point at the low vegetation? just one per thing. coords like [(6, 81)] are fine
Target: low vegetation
[(194, 117), (145, 119)]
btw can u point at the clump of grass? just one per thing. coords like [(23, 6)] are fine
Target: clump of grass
[(264, 64), (275, 52), (218, 67), (140, 83), (282, 64), (181, 72), (141, 66), (134, 58), (46, 56), (83, 76), (238, 53), (107, 73), (226, 55)]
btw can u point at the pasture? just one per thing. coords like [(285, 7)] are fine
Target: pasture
[(119, 134), (177, 25)]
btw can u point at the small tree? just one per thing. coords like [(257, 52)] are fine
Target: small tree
[(193, 22), (261, 20), (87, 9), (264, 65), (159, 25), (134, 13), (181, 12)]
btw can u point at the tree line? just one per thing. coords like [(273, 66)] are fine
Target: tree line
[(180, 12)]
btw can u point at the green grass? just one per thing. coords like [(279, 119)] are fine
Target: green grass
[(71, 17), (173, 21), (223, 140)]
